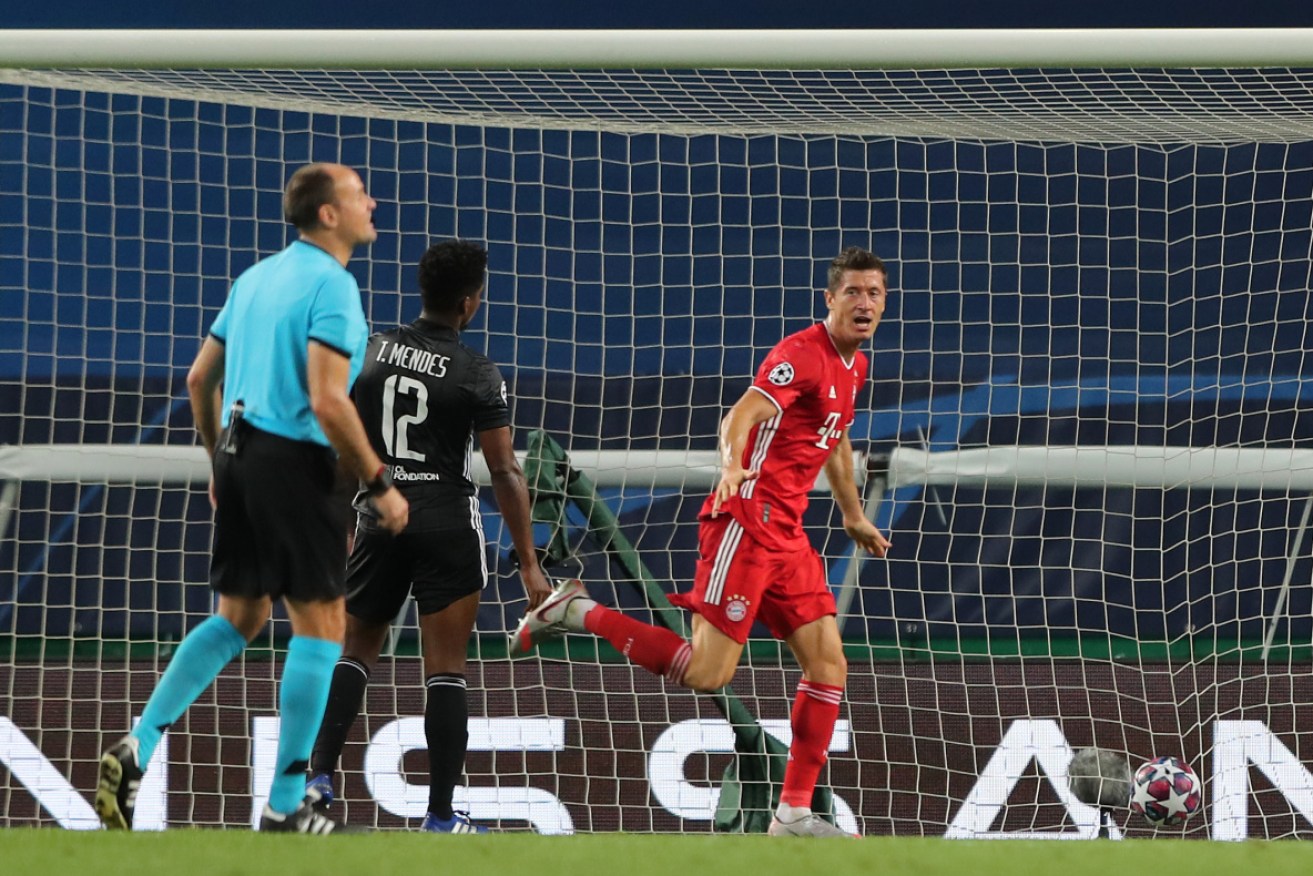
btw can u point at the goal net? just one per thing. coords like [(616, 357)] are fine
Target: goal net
[(1092, 364)]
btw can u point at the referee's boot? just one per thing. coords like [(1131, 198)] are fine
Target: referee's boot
[(120, 779), (562, 612), (458, 823), (306, 819)]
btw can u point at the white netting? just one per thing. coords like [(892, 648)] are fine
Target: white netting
[(1086, 106), (1101, 258)]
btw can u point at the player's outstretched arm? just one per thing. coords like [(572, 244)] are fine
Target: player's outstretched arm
[(751, 408), (327, 372), (839, 472), (512, 494)]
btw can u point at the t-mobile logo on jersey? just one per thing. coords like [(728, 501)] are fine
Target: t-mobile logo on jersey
[(829, 430)]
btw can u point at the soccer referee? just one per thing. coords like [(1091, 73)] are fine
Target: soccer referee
[(285, 348)]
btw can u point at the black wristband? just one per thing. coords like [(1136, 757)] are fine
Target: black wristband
[(381, 483)]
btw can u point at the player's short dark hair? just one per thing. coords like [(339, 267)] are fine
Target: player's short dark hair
[(854, 258), (310, 188), (450, 272)]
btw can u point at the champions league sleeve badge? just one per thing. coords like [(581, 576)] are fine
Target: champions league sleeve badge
[(781, 374)]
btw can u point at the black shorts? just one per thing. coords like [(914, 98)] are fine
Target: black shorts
[(277, 529), (439, 566)]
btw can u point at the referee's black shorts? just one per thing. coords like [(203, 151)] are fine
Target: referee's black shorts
[(277, 528), (439, 566)]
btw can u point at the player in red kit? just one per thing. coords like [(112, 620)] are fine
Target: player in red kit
[(755, 562)]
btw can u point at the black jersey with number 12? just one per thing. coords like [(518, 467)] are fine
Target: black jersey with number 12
[(423, 396)]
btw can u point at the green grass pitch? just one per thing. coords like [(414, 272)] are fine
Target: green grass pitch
[(46, 852)]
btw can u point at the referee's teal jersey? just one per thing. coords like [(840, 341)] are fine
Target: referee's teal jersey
[(276, 307)]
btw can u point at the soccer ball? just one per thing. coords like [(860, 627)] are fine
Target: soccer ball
[(1166, 792)]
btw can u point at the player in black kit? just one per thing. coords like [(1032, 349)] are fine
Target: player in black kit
[(424, 397)]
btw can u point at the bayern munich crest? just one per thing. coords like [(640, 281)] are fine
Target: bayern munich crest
[(781, 374), (737, 608)]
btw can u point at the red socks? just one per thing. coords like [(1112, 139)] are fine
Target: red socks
[(657, 650), (815, 710), (665, 653)]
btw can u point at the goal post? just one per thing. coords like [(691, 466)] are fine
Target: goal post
[(685, 49), (1086, 429)]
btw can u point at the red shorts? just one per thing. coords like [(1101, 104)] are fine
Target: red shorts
[(739, 581)]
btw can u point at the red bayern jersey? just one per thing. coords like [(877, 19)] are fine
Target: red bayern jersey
[(814, 389)]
